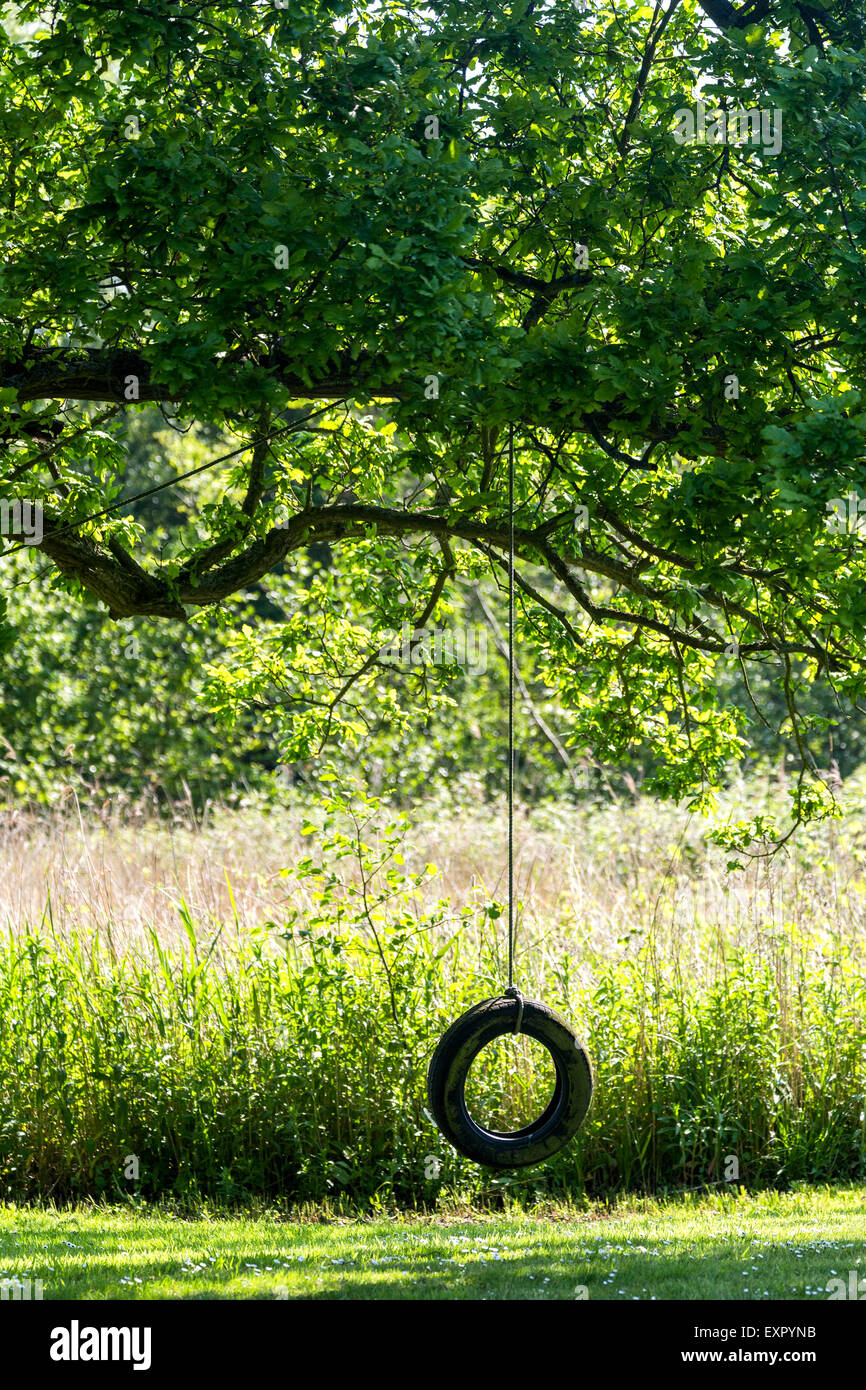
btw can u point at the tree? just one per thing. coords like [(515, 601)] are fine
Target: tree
[(627, 237)]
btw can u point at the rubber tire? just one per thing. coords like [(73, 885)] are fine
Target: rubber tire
[(449, 1068)]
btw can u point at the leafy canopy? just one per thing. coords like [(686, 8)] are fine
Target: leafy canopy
[(369, 241)]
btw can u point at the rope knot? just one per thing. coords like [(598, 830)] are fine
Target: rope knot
[(512, 992)]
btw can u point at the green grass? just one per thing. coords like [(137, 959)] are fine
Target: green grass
[(284, 1062), (730, 1245)]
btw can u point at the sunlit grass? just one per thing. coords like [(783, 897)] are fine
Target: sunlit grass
[(729, 1246), (593, 878)]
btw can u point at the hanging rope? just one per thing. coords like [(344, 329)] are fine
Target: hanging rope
[(512, 991), (511, 708), (456, 1049)]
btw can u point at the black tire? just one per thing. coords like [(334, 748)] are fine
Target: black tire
[(449, 1068)]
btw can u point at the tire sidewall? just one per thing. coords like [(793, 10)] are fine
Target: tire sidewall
[(449, 1068)]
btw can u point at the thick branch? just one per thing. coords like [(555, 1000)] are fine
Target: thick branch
[(127, 593), (93, 375)]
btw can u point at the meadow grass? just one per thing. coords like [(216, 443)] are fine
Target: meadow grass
[(596, 878), (270, 1041), (736, 1245)]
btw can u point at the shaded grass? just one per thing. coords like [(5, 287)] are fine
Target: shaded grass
[(733, 1245)]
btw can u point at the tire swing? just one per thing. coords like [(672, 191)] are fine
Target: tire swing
[(509, 1013)]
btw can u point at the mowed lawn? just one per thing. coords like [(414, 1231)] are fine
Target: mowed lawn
[(725, 1246)]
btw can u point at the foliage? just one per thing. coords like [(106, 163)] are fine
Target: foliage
[(428, 228), (122, 709)]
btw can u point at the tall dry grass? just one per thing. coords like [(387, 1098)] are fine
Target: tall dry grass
[(602, 879)]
